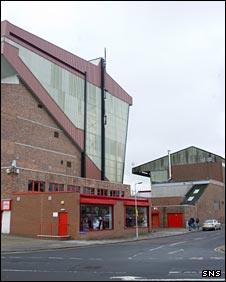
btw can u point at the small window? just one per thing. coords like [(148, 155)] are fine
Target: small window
[(196, 191), (68, 164), (56, 134), (40, 106), (61, 162), (73, 188), (30, 185), (36, 186), (190, 198)]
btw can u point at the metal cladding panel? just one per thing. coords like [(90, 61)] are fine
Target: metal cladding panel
[(11, 54), (115, 89), (92, 171), (63, 58)]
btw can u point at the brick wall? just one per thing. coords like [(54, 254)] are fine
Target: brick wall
[(197, 172), (211, 205), (32, 215), (27, 135), (165, 201)]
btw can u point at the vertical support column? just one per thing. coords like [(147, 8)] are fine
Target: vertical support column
[(83, 163), (103, 118)]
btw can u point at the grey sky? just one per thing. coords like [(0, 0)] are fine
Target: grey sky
[(168, 55)]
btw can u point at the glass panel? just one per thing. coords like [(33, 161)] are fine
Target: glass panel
[(42, 186), (66, 88), (93, 217), (117, 113), (131, 217), (30, 185)]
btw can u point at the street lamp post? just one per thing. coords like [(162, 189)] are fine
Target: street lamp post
[(136, 211)]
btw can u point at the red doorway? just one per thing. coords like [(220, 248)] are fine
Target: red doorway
[(175, 220), (62, 224), (155, 220)]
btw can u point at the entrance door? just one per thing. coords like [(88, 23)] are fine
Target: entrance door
[(175, 220), (62, 224), (5, 222), (155, 220)]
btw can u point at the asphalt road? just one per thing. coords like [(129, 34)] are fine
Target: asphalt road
[(172, 258)]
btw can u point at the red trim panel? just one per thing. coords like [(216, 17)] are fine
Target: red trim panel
[(139, 203), (94, 200)]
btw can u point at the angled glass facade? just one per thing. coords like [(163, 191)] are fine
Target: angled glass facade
[(68, 90), (117, 113)]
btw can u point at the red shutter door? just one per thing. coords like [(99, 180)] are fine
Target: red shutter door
[(175, 220)]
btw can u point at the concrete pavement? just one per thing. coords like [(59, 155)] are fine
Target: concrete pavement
[(11, 243)]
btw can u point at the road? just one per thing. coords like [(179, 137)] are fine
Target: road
[(173, 258)]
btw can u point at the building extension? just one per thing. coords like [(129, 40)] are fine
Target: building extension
[(188, 183)]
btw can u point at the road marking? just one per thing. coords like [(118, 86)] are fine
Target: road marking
[(55, 258), (174, 244), (196, 258), (199, 238), (138, 254), (95, 259), (35, 270), (77, 258), (127, 278), (216, 257), (150, 250), (173, 272), (177, 251)]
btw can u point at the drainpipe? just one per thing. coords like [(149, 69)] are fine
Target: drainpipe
[(170, 174)]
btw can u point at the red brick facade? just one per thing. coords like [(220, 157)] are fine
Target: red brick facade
[(28, 136), (199, 171)]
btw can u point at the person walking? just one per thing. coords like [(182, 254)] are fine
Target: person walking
[(197, 223)]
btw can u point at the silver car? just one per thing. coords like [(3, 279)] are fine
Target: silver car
[(211, 224)]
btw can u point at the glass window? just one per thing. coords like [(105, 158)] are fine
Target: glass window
[(95, 217), (30, 185), (56, 187), (36, 186), (42, 186), (73, 188), (142, 219), (89, 190)]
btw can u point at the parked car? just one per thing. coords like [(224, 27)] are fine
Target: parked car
[(211, 224)]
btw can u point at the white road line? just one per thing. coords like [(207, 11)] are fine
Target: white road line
[(174, 244), (77, 258), (177, 251), (196, 258), (95, 259), (199, 238), (216, 257), (150, 250), (55, 258), (173, 272), (36, 270)]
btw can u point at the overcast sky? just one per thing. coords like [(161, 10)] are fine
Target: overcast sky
[(168, 55)]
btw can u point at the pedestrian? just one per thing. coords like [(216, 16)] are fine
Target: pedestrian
[(189, 224), (197, 223)]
